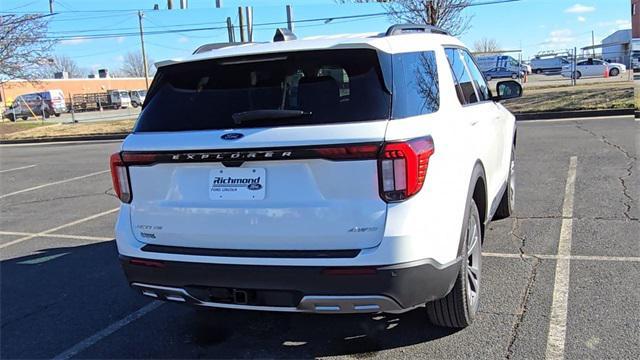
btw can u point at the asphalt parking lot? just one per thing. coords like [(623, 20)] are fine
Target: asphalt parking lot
[(560, 279)]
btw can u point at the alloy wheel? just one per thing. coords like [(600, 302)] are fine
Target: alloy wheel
[(474, 261)]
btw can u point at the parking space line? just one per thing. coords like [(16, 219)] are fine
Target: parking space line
[(62, 236), (53, 183), (558, 317), (47, 232), (88, 342), (18, 168), (566, 257)]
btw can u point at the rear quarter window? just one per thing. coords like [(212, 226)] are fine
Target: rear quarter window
[(415, 84)]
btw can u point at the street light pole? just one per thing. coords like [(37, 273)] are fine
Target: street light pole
[(144, 53)]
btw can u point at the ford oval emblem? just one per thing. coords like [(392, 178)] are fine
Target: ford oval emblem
[(232, 136), (254, 186)]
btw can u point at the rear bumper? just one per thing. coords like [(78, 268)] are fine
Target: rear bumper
[(391, 288)]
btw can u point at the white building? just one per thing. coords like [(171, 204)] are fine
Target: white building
[(617, 47)]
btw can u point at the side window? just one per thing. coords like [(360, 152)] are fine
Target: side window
[(478, 79), (466, 91), (416, 89)]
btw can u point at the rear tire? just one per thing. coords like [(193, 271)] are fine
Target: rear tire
[(538, 71), (508, 201), (488, 77), (11, 117), (614, 72), (25, 118), (514, 76), (459, 308), (578, 74)]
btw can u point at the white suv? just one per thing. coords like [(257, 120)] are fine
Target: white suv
[(343, 174)]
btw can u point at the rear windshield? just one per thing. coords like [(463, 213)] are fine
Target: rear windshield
[(325, 87)]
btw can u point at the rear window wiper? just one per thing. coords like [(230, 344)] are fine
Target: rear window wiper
[(270, 114)]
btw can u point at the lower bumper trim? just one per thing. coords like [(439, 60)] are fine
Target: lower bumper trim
[(308, 304)]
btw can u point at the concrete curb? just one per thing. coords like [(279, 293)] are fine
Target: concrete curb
[(118, 136), (573, 114)]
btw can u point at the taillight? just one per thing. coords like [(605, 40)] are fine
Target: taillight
[(348, 152), (120, 178), (403, 167)]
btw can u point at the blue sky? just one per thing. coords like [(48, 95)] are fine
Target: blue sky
[(530, 25)]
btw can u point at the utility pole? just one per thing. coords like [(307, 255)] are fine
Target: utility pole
[(232, 35), (50, 6), (249, 10), (144, 53), (169, 4), (218, 4), (183, 4), (593, 44), (241, 21), (289, 18)]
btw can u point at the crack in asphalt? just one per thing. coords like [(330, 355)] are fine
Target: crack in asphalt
[(523, 306), (524, 301), (630, 162)]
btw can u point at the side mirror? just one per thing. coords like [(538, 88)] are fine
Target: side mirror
[(508, 90)]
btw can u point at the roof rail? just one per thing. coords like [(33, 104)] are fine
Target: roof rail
[(409, 28)]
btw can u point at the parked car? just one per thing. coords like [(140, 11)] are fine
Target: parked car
[(499, 73), (593, 67), (548, 65), (349, 174), (527, 68), (44, 103), (137, 97)]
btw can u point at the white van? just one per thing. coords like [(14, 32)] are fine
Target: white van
[(43, 103), (540, 65)]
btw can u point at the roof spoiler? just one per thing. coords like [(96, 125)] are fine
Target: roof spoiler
[(413, 28)]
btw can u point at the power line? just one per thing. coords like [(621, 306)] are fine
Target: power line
[(489, 2)]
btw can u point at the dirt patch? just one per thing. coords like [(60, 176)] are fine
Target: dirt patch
[(8, 127), (70, 129), (597, 96)]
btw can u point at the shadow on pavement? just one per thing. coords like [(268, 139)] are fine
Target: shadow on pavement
[(50, 306)]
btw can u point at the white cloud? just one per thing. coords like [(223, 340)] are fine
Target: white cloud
[(120, 39), (119, 58), (560, 37), (582, 18), (74, 41), (183, 39), (579, 9)]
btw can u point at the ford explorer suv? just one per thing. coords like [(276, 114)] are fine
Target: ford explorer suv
[(340, 174)]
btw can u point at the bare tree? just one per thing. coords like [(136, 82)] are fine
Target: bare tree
[(446, 14), (62, 63), (133, 66), (24, 47), (486, 45)]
